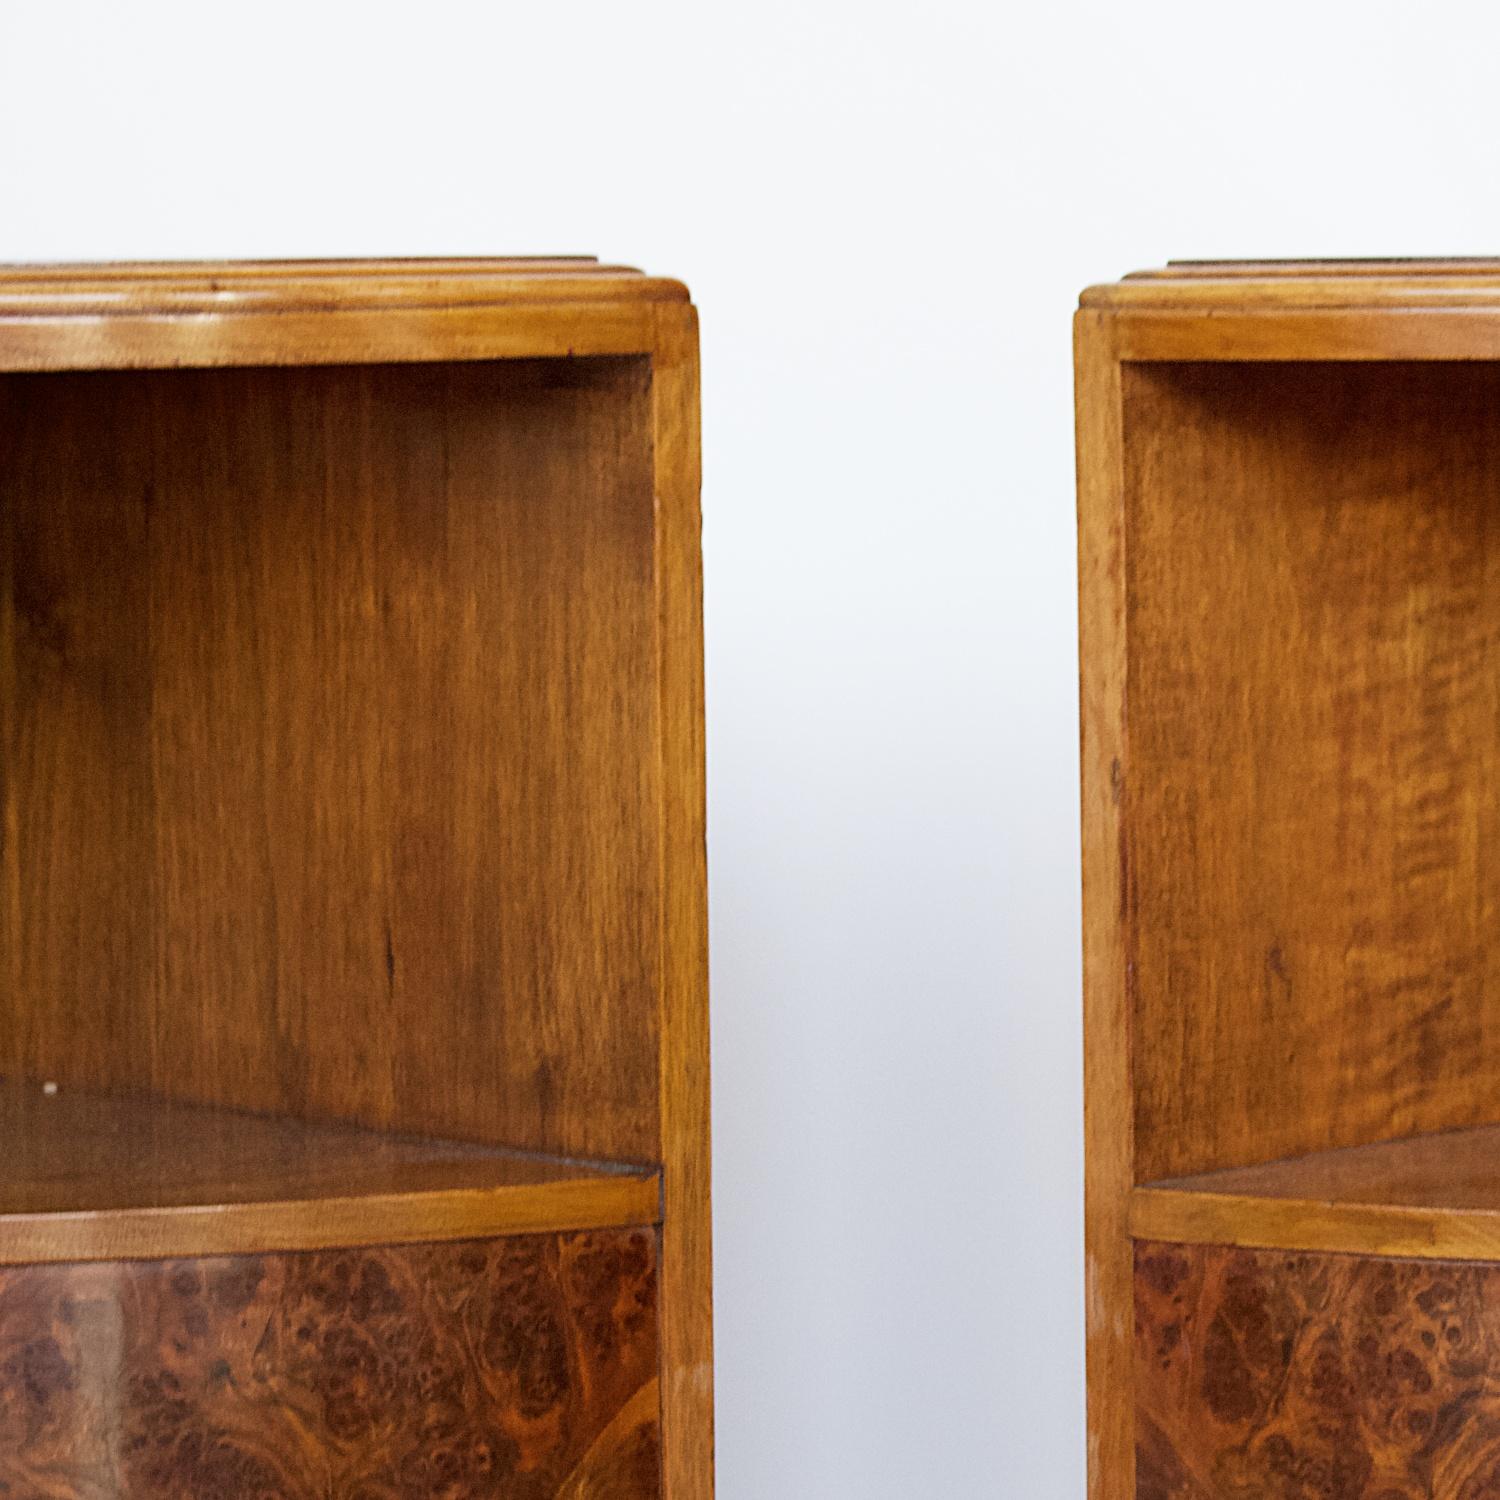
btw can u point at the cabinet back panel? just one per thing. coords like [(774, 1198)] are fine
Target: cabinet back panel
[(1313, 722), (330, 743)]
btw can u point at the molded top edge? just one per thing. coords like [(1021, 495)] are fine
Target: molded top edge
[(189, 287), (1354, 283)]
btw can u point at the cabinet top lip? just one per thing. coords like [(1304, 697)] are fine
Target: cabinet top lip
[(187, 287), (201, 314), (1204, 285)]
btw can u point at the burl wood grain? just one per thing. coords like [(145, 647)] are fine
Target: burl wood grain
[(1272, 1375), (520, 1368), (1313, 606)]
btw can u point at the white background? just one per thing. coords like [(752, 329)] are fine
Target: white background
[(885, 213)]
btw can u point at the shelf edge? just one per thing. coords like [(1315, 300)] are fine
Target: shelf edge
[(1260, 1223), (415, 1217)]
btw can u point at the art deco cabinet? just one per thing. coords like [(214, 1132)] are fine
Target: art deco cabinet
[(1290, 564), (353, 1035)]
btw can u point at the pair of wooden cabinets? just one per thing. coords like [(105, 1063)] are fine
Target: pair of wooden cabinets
[(353, 1031), (353, 1021), (1290, 581)]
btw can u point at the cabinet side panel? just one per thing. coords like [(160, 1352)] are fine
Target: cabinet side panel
[(522, 1366), (1106, 909), (1314, 614), (333, 735), (687, 1283)]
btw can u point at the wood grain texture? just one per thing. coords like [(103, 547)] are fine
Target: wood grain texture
[(351, 743), (1377, 268), (1296, 1224), (1434, 1196), (1314, 593), (687, 1307), (1274, 1376), (1258, 334), (164, 287), (1306, 310), (331, 745), (1290, 285), (1290, 605), (202, 314), (87, 1177), (438, 334), (1107, 967), (1458, 1170), (1331, 292), (523, 1369)]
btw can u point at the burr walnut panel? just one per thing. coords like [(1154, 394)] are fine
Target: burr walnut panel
[(520, 1368), (1273, 1375)]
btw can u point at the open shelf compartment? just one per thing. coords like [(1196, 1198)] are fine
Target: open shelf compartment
[(1310, 802), (330, 763)]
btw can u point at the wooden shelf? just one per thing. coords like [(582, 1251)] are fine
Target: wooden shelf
[(1431, 1196), (92, 1177)]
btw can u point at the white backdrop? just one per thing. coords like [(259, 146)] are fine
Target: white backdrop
[(885, 213)]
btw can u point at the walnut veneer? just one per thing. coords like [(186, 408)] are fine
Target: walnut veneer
[(1289, 503), (353, 1003)]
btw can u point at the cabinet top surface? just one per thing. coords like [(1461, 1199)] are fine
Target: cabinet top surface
[(167, 314), (1203, 285), (208, 286)]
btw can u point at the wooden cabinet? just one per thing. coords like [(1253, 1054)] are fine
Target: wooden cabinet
[(1289, 484), (353, 1013)]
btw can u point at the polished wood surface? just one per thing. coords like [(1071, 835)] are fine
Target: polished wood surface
[(522, 1368), (1254, 288), (534, 272), (1458, 1170), (1428, 1196), (1290, 592), (1267, 1374), (1313, 1224), (330, 745), (172, 315), (1109, 1117), (1246, 312), (687, 1314), (1313, 591), (90, 1177), (1380, 268), (351, 742)]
